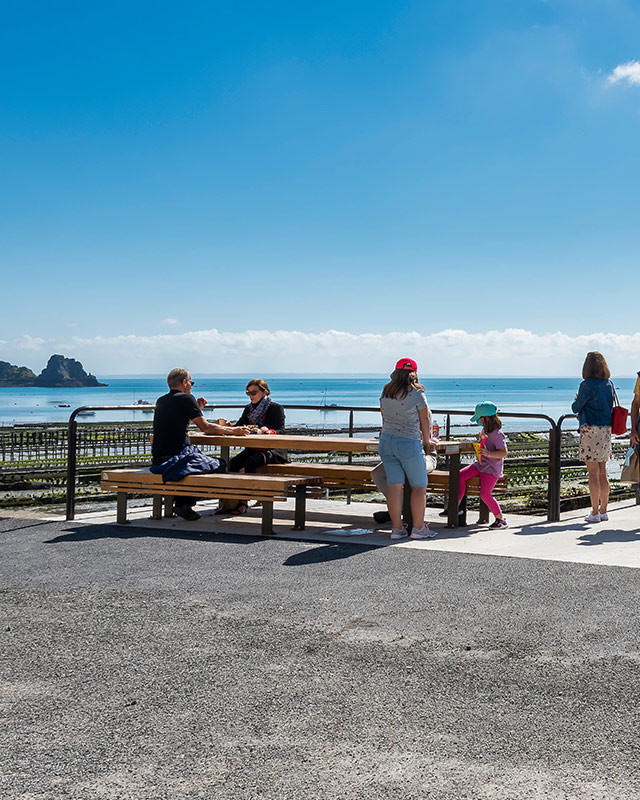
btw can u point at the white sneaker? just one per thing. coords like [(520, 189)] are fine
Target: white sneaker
[(592, 518), (604, 517), (423, 533), (401, 533)]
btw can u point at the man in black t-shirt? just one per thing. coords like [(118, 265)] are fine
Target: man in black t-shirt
[(174, 411)]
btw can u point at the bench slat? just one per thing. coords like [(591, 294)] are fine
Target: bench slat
[(354, 476), (332, 475), (215, 481), (216, 494)]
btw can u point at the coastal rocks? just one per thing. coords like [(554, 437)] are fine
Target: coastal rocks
[(59, 372), (11, 375), (66, 372)]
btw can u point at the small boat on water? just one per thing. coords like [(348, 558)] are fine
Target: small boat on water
[(324, 403), (64, 405), (147, 409)]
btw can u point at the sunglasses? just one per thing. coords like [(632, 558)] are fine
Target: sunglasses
[(254, 392)]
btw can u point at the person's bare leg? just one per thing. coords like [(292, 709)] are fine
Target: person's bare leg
[(418, 506), (604, 487), (593, 468), (394, 504)]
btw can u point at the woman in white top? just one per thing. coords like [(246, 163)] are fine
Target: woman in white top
[(405, 434)]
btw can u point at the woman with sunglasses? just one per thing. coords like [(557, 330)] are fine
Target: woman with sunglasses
[(269, 418)]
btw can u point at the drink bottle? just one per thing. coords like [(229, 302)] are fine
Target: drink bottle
[(435, 431)]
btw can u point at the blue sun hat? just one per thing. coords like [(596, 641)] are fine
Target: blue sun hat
[(485, 409)]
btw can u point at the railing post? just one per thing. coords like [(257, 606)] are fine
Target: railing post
[(555, 467), (72, 432), (553, 491), (447, 436), (350, 455)]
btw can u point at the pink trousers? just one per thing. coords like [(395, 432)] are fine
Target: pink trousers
[(487, 482)]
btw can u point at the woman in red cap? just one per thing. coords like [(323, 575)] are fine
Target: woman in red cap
[(405, 433)]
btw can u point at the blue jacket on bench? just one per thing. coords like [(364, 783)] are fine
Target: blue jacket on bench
[(189, 461)]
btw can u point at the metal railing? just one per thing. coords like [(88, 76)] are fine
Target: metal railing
[(553, 483), (556, 462), (553, 479), (557, 465)]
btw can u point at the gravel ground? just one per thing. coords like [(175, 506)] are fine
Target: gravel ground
[(150, 666)]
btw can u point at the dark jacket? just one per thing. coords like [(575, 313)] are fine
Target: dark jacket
[(594, 403), (274, 420), (189, 461), (174, 411)]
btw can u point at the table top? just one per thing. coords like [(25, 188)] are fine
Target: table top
[(455, 446), (285, 441)]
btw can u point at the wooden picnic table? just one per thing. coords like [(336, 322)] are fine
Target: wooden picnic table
[(341, 444)]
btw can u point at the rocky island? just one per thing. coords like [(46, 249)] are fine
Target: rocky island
[(66, 372), (59, 372), (11, 375)]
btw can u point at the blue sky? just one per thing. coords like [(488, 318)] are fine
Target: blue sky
[(366, 167)]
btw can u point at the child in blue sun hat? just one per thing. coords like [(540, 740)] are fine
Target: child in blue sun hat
[(490, 463)]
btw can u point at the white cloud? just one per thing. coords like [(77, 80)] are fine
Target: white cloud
[(170, 322), (626, 73), (32, 343), (448, 352)]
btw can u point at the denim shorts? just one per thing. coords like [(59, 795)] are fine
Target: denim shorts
[(403, 457)]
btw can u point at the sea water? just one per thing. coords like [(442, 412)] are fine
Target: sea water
[(541, 396)]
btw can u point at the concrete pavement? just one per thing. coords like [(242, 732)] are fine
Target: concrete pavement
[(615, 542), (163, 660)]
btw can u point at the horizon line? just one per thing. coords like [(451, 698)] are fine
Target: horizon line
[(333, 374)]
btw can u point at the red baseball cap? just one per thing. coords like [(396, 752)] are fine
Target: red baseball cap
[(407, 363)]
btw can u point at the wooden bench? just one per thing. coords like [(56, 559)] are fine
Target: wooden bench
[(265, 488), (354, 476), (333, 476)]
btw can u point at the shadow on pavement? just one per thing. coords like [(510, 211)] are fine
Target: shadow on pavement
[(463, 532), (28, 523), (607, 536), (544, 527), (599, 535), (86, 533), (327, 552)]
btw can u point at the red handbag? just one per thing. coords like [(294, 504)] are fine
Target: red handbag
[(618, 416)]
